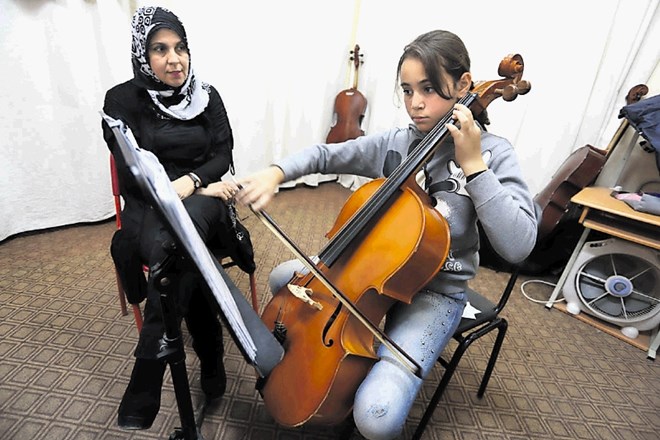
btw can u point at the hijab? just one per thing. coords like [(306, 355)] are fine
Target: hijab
[(184, 102)]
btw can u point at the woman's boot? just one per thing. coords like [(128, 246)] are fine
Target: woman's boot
[(141, 400), (206, 332), (213, 377)]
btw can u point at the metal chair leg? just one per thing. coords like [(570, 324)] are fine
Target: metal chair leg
[(122, 297), (253, 292), (137, 313), (501, 332), (439, 391), (499, 324)]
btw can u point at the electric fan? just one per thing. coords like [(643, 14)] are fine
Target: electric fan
[(617, 282)]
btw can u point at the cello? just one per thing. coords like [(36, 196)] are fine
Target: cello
[(349, 109), (326, 319)]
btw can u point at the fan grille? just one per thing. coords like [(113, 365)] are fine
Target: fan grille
[(620, 286)]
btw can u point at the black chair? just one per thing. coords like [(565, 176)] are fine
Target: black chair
[(469, 330)]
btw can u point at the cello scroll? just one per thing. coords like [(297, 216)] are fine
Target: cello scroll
[(511, 68)]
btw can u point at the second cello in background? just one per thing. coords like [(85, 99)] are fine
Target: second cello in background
[(350, 106)]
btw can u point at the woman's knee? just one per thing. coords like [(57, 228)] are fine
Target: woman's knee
[(207, 214)]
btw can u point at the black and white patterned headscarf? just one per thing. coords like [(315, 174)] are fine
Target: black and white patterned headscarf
[(184, 102)]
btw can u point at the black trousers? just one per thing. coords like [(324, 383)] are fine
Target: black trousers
[(143, 240)]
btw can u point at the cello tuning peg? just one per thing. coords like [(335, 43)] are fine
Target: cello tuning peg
[(524, 86), (510, 92)]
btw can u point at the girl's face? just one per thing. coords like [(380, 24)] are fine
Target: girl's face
[(169, 57), (423, 104)]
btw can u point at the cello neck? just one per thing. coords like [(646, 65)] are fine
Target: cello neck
[(423, 152), (355, 57)]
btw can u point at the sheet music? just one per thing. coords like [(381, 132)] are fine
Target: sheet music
[(154, 181)]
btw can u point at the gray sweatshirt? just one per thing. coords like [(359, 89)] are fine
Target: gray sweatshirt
[(498, 198)]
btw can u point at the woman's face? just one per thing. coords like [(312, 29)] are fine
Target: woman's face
[(169, 57), (423, 104)]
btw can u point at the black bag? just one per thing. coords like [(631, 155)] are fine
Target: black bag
[(240, 250), (127, 261)]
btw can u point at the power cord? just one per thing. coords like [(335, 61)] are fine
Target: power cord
[(547, 283)]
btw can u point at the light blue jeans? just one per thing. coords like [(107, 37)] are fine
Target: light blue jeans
[(422, 329)]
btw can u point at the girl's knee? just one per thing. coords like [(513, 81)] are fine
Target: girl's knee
[(384, 399), (282, 273), (378, 422)]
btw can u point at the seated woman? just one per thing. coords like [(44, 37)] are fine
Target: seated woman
[(184, 123)]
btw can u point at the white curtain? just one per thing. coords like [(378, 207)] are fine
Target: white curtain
[(279, 66)]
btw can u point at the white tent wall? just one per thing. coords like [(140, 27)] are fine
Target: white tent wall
[(278, 67)]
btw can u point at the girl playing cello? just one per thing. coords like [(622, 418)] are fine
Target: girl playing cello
[(473, 176)]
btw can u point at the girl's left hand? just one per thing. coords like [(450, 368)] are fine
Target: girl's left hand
[(467, 140)]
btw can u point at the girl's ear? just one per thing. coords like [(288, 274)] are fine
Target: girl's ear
[(464, 84)]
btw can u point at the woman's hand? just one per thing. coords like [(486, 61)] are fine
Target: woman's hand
[(222, 190), (467, 140), (184, 186), (259, 188)]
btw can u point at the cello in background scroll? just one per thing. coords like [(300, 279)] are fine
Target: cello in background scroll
[(349, 109)]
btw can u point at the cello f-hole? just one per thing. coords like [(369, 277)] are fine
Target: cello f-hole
[(328, 324)]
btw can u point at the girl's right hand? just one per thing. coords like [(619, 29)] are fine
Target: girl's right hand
[(259, 188)]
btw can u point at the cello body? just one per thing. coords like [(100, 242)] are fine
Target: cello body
[(399, 256), (579, 170), (350, 106)]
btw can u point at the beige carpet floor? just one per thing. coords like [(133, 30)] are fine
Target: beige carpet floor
[(66, 352)]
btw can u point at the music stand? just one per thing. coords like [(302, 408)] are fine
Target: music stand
[(257, 344)]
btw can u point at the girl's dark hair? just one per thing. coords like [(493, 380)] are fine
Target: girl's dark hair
[(439, 51)]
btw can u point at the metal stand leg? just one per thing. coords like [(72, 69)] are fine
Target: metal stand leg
[(173, 353), (655, 343), (567, 269)]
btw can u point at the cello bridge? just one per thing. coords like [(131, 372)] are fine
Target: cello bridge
[(304, 294)]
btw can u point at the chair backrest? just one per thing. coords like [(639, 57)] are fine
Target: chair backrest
[(507, 290), (115, 190)]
